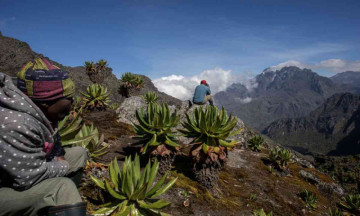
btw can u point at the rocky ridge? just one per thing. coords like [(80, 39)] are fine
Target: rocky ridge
[(348, 81), (333, 128), (15, 53), (287, 93)]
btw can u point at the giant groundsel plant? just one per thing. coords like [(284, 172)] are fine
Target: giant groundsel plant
[(133, 191)]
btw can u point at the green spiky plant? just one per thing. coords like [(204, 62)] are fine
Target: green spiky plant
[(77, 107), (68, 128), (150, 97), (309, 198), (96, 71), (132, 191), (261, 212), (280, 158), (351, 203), (131, 83), (95, 146), (335, 212), (285, 157), (114, 106), (96, 97), (273, 155), (255, 143), (155, 132), (210, 130)]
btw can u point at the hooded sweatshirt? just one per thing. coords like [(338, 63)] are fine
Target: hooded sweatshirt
[(25, 134)]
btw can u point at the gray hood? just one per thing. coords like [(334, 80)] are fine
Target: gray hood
[(24, 130)]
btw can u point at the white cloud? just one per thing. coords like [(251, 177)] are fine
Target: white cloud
[(219, 79), (334, 65), (287, 64), (183, 87), (243, 100), (339, 65)]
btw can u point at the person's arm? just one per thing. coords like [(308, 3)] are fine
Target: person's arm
[(208, 91), (24, 160)]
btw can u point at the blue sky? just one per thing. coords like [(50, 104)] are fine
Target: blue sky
[(183, 37)]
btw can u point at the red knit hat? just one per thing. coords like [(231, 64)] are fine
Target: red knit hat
[(203, 82)]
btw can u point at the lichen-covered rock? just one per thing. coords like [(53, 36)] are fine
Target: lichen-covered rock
[(328, 188), (309, 177), (126, 110)]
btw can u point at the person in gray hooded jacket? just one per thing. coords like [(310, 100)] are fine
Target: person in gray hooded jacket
[(33, 164)]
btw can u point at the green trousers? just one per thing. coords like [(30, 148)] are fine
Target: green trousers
[(50, 192)]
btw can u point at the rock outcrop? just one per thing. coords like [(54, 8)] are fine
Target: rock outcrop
[(15, 53), (287, 93), (333, 128)]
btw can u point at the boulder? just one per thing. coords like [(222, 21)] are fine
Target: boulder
[(126, 110)]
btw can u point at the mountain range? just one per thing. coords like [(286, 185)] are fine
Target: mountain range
[(286, 93), (333, 128), (300, 109), (293, 106)]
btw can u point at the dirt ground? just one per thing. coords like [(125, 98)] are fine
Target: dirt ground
[(245, 184)]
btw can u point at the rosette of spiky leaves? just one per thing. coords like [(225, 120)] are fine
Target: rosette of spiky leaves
[(132, 80), (68, 128), (77, 107), (285, 157), (96, 96), (150, 97), (90, 66), (309, 198), (211, 129), (335, 212), (133, 191), (280, 157), (114, 106), (261, 212), (155, 127), (274, 155), (255, 143), (351, 203), (95, 146)]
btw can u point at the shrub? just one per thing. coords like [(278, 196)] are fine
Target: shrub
[(309, 198), (255, 143), (114, 106), (351, 202), (150, 97), (155, 133), (285, 157), (132, 191), (96, 71), (69, 128), (210, 130), (155, 126), (280, 157), (95, 146), (261, 212), (131, 80), (96, 97), (335, 212)]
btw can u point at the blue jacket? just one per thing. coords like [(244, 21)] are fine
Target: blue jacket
[(200, 92)]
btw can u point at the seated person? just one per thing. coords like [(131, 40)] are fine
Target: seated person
[(202, 94), (33, 164)]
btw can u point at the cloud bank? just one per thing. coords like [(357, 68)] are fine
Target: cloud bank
[(183, 87), (333, 65), (219, 79)]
